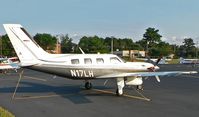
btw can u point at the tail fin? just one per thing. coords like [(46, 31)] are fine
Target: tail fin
[(28, 51)]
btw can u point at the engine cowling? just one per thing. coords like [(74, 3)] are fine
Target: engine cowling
[(134, 81)]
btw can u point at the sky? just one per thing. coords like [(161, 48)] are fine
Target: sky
[(175, 19)]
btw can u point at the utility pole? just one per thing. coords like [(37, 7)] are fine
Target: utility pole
[(1, 46), (112, 45), (197, 49), (147, 48)]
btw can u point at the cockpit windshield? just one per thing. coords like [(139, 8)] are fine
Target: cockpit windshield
[(115, 60)]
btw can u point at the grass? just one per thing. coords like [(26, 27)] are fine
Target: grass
[(5, 113), (174, 61)]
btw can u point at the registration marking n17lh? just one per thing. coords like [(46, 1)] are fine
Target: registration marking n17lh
[(82, 73)]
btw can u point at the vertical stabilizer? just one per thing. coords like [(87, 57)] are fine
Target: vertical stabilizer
[(28, 51)]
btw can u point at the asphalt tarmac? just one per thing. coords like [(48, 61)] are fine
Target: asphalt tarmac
[(44, 95)]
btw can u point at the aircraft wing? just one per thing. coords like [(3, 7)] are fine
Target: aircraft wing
[(145, 74)]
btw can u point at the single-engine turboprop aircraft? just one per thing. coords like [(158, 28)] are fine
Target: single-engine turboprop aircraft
[(81, 66)]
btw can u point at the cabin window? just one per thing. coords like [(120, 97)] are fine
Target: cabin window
[(114, 60), (99, 60), (87, 61), (75, 61)]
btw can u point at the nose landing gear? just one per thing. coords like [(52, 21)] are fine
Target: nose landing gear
[(140, 87)]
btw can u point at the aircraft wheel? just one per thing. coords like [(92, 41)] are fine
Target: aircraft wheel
[(88, 85), (140, 87)]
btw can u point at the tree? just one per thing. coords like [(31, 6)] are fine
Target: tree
[(122, 44), (164, 49), (188, 43), (66, 44), (126, 44), (189, 47), (93, 44), (6, 46), (142, 44), (151, 37), (46, 41), (150, 41)]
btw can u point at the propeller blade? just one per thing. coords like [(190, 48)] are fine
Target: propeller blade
[(149, 60), (158, 60), (157, 78)]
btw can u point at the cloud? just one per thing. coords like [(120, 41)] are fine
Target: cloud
[(76, 38), (164, 39), (174, 40)]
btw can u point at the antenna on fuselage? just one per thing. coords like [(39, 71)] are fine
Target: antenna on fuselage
[(81, 50)]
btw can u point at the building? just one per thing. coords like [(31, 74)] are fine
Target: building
[(57, 49), (130, 53)]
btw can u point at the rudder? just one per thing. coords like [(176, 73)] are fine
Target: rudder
[(28, 51)]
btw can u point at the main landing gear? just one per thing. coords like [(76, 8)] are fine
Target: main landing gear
[(88, 85), (118, 93), (120, 86)]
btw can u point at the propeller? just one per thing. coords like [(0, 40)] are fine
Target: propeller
[(149, 60), (158, 60), (152, 69), (155, 65), (157, 78), (152, 62)]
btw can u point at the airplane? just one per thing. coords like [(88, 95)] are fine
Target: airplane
[(84, 66), (6, 64)]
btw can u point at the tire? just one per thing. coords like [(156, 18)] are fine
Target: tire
[(140, 87), (88, 85)]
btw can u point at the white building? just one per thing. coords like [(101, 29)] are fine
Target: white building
[(130, 53)]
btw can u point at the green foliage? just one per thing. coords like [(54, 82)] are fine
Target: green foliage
[(150, 40), (93, 44), (142, 44), (122, 44), (153, 44), (96, 44), (189, 48), (151, 36), (188, 43), (164, 48), (66, 44), (6, 46), (46, 41)]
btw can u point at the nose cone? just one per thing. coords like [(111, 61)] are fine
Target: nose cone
[(156, 67), (152, 67)]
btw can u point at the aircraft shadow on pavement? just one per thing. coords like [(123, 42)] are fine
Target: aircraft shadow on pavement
[(74, 93)]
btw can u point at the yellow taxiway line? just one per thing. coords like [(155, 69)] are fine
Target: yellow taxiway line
[(125, 95), (34, 78), (97, 90), (35, 97)]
